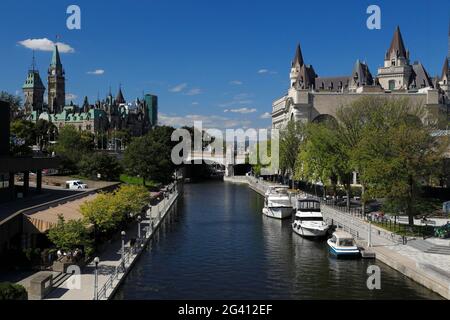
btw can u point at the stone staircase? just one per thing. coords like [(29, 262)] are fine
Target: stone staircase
[(60, 278), (428, 247)]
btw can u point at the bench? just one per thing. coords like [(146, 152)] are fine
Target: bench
[(40, 285)]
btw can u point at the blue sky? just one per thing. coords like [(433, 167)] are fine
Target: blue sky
[(204, 57)]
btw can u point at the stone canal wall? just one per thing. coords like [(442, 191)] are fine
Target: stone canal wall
[(429, 270)]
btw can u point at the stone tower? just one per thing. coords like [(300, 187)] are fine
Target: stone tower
[(397, 71), (33, 90), (56, 84)]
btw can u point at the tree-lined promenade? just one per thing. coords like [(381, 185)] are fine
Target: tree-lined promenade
[(389, 143)]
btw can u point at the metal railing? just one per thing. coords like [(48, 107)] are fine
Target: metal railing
[(133, 251)]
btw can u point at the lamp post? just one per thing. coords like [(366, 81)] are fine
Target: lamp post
[(96, 261), (123, 234), (139, 226)]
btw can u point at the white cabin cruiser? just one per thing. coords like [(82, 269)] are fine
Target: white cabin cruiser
[(277, 203), (309, 219), (342, 244)]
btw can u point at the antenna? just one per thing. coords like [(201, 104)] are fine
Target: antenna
[(33, 63)]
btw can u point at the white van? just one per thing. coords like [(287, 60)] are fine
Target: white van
[(75, 184)]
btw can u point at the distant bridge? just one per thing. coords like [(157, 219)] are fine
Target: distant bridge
[(224, 160)]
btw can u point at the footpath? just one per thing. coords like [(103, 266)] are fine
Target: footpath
[(112, 269)]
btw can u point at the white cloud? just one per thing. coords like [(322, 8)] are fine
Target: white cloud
[(266, 71), (238, 100), (236, 82), (241, 110), (195, 103), (70, 96), (266, 115), (45, 44), (96, 72), (194, 92), (178, 88), (208, 121)]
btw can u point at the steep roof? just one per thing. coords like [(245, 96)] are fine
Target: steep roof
[(332, 83), (56, 59), (420, 78), (298, 58), (119, 97), (397, 45), (33, 81), (362, 73), (306, 77), (445, 69)]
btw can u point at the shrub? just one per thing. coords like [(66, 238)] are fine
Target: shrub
[(69, 235), (11, 291)]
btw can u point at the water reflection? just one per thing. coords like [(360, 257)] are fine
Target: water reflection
[(217, 245)]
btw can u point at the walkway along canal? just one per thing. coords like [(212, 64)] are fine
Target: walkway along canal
[(114, 266), (217, 245)]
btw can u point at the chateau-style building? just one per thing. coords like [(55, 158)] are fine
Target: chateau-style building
[(101, 117), (314, 98)]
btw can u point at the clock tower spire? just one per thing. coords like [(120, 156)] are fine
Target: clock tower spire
[(56, 83)]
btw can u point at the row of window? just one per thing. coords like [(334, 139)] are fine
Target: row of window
[(4, 181)]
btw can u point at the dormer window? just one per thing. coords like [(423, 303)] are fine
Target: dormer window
[(393, 62)]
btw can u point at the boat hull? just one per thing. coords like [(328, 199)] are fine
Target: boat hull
[(278, 212), (352, 252), (309, 232)]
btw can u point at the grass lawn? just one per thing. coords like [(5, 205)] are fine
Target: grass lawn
[(405, 230), (137, 181)]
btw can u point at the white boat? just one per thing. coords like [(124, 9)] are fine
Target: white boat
[(342, 244), (277, 203), (309, 219)]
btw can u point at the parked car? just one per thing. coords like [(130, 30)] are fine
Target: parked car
[(75, 185)]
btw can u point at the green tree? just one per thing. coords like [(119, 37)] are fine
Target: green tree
[(102, 214), (72, 145), (290, 140), (130, 199), (14, 101), (25, 130), (69, 235), (149, 156), (45, 132), (105, 165), (397, 152), (12, 291), (257, 168), (325, 157)]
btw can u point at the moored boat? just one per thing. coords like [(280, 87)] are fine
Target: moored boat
[(342, 244), (277, 203), (309, 219)]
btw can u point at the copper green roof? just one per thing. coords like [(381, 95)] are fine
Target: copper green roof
[(56, 60), (33, 81)]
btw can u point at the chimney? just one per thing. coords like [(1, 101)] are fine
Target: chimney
[(4, 128)]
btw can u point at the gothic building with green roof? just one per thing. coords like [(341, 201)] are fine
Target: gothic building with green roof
[(104, 116)]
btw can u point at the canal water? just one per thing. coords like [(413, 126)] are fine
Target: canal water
[(216, 244)]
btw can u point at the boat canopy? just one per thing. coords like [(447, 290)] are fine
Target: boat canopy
[(308, 205), (342, 235)]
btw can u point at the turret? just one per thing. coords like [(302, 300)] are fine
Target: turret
[(296, 65)]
